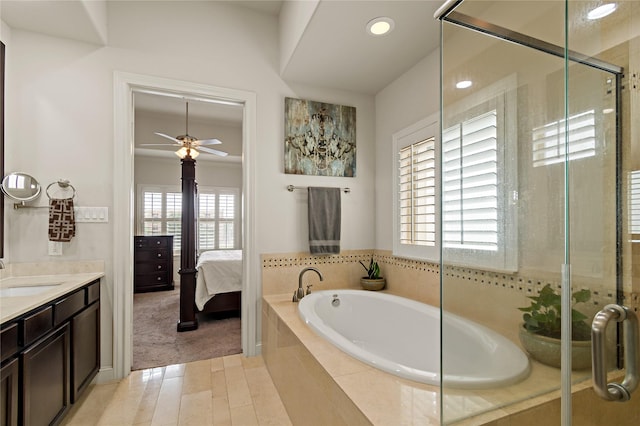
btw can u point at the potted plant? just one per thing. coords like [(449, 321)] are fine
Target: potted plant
[(540, 331), (373, 280)]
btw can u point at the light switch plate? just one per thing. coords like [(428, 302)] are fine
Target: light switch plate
[(91, 214), (55, 248)]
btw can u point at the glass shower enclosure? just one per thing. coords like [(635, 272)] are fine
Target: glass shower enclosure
[(540, 202)]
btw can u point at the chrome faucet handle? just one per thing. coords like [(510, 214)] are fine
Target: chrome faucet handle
[(309, 289)]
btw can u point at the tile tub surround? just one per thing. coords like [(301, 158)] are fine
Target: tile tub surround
[(319, 384)]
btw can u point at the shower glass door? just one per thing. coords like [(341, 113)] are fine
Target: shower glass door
[(536, 199)]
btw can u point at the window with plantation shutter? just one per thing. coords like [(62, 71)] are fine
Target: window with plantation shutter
[(415, 198), (634, 201), (549, 140), (470, 184), (417, 193), (456, 188), (218, 218)]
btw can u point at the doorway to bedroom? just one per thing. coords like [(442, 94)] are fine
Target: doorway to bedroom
[(161, 123)]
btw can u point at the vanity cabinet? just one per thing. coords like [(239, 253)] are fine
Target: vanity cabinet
[(49, 356), (153, 263)]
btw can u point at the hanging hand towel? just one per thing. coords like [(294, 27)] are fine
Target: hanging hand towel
[(62, 222), (324, 220)]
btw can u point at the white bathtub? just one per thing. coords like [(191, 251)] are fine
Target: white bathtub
[(402, 337)]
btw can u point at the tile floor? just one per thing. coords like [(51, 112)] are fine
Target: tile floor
[(231, 390)]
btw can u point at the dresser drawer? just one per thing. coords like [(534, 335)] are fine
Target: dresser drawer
[(152, 279), (152, 267), (151, 242), (37, 325), (68, 307), (9, 341), (147, 255)]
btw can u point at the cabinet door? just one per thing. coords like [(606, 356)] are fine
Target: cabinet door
[(9, 394), (45, 387), (85, 351)]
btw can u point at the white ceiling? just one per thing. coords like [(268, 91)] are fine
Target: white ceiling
[(333, 52)]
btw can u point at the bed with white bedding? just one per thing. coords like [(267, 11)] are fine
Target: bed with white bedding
[(219, 273)]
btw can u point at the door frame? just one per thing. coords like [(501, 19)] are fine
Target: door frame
[(125, 84)]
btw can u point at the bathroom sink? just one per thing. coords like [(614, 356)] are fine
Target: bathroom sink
[(26, 290)]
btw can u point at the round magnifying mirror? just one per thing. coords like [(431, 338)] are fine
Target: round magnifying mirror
[(21, 187)]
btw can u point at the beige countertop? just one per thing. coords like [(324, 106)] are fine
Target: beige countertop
[(14, 306)]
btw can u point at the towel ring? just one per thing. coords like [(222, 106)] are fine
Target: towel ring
[(62, 183)]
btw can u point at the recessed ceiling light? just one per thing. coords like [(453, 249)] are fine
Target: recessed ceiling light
[(602, 11), (380, 26), (463, 84)]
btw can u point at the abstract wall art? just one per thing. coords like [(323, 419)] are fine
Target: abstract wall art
[(320, 138)]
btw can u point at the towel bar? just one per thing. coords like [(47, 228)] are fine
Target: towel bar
[(291, 188)]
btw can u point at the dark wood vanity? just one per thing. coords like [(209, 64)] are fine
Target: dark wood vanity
[(50, 355)]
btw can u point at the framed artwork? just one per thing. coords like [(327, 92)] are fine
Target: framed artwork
[(319, 138)]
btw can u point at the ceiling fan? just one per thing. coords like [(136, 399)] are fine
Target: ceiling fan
[(190, 145)]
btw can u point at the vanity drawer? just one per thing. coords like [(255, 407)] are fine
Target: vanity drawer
[(37, 325), (68, 307), (93, 292), (9, 341)]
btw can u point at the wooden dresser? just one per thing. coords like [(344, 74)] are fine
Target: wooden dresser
[(153, 263)]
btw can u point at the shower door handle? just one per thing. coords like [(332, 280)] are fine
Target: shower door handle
[(614, 391)]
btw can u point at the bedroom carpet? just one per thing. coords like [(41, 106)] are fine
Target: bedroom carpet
[(157, 343)]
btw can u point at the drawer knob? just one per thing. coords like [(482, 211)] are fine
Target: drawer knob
[(159, 254), (159, 278), (158, 242), (159, 266)]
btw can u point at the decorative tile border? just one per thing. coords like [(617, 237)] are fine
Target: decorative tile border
[(530, 286)]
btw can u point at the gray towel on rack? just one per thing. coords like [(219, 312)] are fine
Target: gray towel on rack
[(62, 222), (324, 220)]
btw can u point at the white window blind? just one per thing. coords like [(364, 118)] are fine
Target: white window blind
[(417, 193), (416, 190), (549, 140), (634, 201), (162, 214), (470, 184), (218, 219)]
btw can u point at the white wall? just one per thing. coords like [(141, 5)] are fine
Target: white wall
[(413, 96), (60, 122)]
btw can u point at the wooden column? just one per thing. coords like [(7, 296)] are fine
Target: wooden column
[(188, 320)]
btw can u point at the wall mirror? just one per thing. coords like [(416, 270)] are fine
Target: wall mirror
[(21, 187)]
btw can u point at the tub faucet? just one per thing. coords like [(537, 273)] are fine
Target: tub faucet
[(299, 293)]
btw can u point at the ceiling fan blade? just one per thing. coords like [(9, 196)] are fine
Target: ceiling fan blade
[(169, 137), (212, 151), (209, 142)]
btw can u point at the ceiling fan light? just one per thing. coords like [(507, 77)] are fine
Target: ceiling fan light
[(193, 153), (182, 152)]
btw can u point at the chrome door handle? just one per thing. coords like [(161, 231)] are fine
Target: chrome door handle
[(614, 391)]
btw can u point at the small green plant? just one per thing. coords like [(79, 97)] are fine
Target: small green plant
[(373, 271), (543, 316)]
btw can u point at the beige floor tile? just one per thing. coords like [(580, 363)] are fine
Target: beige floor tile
[(237, 387), (232, 360), (243, 416), (196, 409), (221, 412), (218, 384), (168, 405), (217, 364), (252, 362), (91, 406), (174, 370), (197, 377)]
